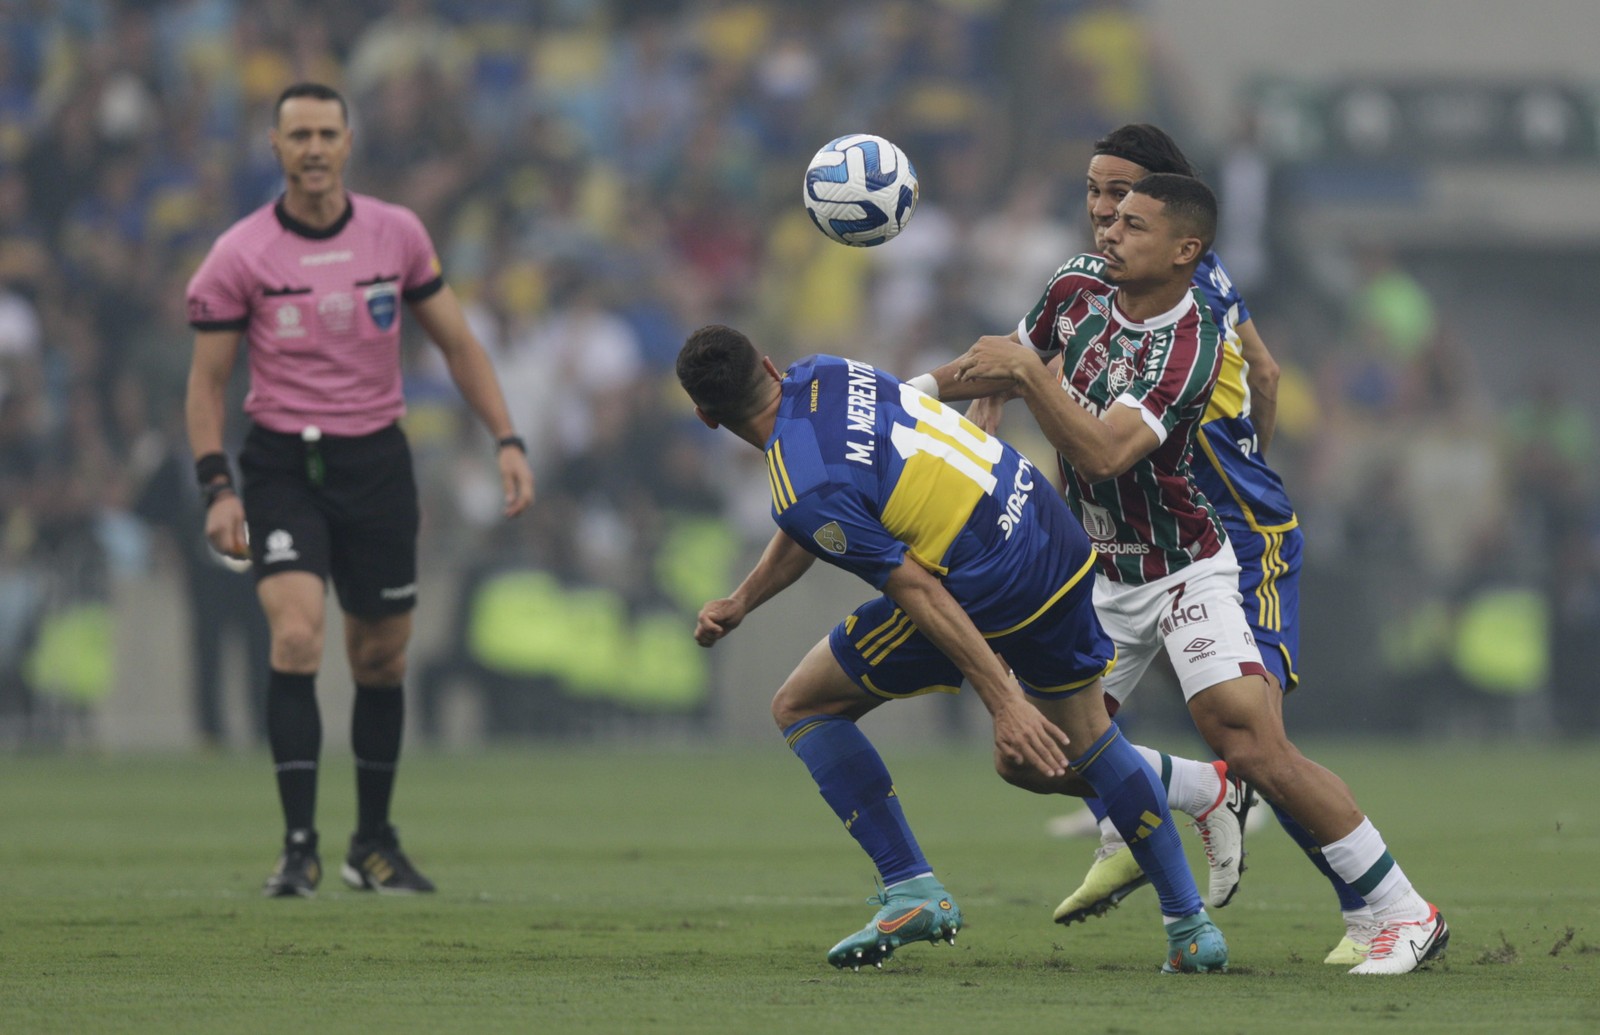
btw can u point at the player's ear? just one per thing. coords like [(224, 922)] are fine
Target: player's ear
[(707, 421), (771, 368), (1190, 250)]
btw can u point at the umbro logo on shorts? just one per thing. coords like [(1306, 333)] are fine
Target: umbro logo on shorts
[(280, 548)]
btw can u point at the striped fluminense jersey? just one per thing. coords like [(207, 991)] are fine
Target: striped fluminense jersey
[(1152, 519), (866, 470), (1228, 466)]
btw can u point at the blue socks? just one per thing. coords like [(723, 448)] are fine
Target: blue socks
[(856, 785), (1133, 798), (1349, 899)]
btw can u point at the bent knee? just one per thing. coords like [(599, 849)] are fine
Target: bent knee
[(1020, 774), (789, 707), (1009, 771)]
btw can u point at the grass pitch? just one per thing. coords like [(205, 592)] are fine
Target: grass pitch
[(625, 889)]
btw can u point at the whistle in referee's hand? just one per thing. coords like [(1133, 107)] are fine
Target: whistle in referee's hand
[(311, 435)]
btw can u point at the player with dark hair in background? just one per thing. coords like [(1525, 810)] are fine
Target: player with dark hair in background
[(314, 282)]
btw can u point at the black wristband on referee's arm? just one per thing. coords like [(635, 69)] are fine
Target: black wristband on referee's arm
[(214, 476), (212, 466), (514, 441)]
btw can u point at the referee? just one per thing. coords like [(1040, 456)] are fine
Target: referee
[(314, 283)]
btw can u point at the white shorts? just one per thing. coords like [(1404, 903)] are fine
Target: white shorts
[(1194, 614)]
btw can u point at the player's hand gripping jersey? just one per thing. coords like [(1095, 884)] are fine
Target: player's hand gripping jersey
[(1151, 520), (866, 469)]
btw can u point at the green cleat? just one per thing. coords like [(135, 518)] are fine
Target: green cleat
[(1114, 876), (918, 910), (1360, 927), (1348, 953), (1195, 946)]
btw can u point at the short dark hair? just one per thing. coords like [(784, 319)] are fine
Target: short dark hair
[(316, 91), (1188, 202), (1147, 146), (721, 370)]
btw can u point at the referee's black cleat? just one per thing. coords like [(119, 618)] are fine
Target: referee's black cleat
[(378, 864), (298, 870)]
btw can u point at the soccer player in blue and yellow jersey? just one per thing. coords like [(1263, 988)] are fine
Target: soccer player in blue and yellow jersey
[(1139, 358), (976, 558)]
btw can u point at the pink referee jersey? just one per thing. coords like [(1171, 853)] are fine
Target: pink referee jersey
[(320, 310)]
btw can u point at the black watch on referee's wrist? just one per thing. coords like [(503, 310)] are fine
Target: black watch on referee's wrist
[(512, 441)]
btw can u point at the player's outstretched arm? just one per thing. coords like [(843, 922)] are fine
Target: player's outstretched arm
[(947, 384), (1262, 377), (1098, 448), (1021, 734), (441, 317), (781, 565), (987, 410)]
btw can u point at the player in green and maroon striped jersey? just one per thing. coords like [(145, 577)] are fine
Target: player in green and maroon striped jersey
[(1139, 361)]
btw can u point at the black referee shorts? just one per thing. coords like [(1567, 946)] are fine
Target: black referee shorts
[(358, 527)]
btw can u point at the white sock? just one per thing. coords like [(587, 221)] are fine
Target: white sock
[(1363, 861), (1192, 787)]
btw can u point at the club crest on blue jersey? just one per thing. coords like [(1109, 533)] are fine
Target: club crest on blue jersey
[(382, 304), (831, 538)]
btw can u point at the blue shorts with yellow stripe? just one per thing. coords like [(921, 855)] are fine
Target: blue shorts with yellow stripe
[(1055, 654), (1269, 581)]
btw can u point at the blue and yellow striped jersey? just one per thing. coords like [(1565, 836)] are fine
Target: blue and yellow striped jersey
[(1227, 463), (865, 470)]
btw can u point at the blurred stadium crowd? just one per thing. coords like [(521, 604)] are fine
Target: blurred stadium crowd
[(599, 178)]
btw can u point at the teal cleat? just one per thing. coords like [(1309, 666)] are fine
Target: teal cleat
[(917, 910), (1195, 946)]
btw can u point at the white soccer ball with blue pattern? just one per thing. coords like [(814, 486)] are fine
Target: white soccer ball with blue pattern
[(861, 190)]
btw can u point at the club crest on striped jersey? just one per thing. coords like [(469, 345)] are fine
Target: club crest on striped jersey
[(382, 304), (1119, 375), (831, 538)]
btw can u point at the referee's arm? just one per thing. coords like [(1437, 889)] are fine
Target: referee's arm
[(205, 407), (205, 411), (441, 317)]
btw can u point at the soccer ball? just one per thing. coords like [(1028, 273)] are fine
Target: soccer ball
[(860, 190)]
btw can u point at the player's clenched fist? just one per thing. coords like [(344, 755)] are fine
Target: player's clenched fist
[(716, 620)]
